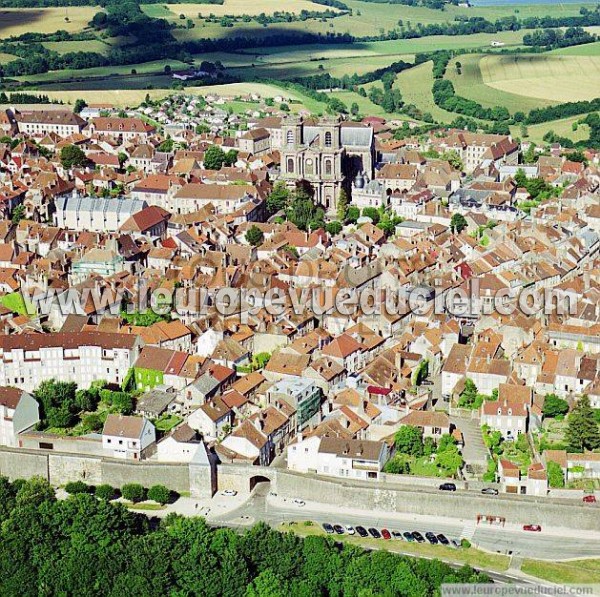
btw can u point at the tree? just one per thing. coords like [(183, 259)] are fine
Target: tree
[(105, 492), (457, 223), (334, 227), (582, 429), (354, 109), (214, 158), (134, 492), (342, 204), (159, 493), (554, 406), (77, 487), (469, 397), (72, 156), (266, 584), (371, 212), (449, 460), (279, 198), (352, 214), (18, 214), (409, 440), (453, 159), (255, 236), (555, 475), (34, 491), (302, 210), (79, 105)]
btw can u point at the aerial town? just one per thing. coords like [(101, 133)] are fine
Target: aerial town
[(264, 291)]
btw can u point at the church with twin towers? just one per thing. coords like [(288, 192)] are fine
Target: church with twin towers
[(328, 153)]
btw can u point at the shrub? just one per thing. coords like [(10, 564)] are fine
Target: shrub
[(77, 487), (133, 492), (159, 493), (465, 543), (106, 492)]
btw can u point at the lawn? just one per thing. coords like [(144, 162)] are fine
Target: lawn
[(143, 506), (470, 84), (470, 556), (4, 58), (167, 422), (575, 571), (366, 107), (554, 78), (16, 303), (91, 45), (17, 21)]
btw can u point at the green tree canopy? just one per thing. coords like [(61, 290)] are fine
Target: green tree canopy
[(582, 429)]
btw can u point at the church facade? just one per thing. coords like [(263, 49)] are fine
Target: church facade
[(327, 153)]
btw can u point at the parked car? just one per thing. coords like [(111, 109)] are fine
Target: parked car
[(298, 502), (397, 535), (536, 528), (431, 538), (489, 491), (328, 528), (443, 539), (418, 537), (349, 529), (386, 534), (362, 531), (447, 487), (589, 499), (455, 543), (408, 536), (338, 528), (229, 492), (374, 533)]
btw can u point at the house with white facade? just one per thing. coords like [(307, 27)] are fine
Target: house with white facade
[(18, 411), (336, 457), (127, 437)]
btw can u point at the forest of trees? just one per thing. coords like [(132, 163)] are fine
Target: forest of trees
[(85, 546)]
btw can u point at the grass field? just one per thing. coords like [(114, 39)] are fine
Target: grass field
[(368, 18), (4, 58), (470, 83), (92, 45), (583, 50), (555, 78), (243, 7), (562, 128), (576, 571), (16, 21), (415, 85)]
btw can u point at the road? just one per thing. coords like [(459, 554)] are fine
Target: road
[(550, 544)]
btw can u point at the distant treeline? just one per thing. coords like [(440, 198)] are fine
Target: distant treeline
[(555, 38)]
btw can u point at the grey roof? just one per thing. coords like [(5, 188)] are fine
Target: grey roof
[(154, 402), (351, 136), (79, 203)]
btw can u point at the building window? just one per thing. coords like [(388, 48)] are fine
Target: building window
[(290, 165), (290, 137), (328, 139), (308, 167), (328, 168)]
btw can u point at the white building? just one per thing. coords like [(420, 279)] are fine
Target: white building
[(29, 359), (38, 123), (345, 458), (18, 411), (127, 437), (182, 445)]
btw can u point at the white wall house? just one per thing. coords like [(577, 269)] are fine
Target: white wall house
[(127, 437), (18, 411), (29, 359), (349, 459)]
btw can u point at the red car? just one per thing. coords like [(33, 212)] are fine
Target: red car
[(386, 534), (536, 528), (589, 499)]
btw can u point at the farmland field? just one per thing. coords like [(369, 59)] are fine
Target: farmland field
[(554, 78), (469, 83), (583, 50), (92, 45), (4, 58), (243, 7), (562, 128), (17, 21), (415, 85), (367, 18)]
